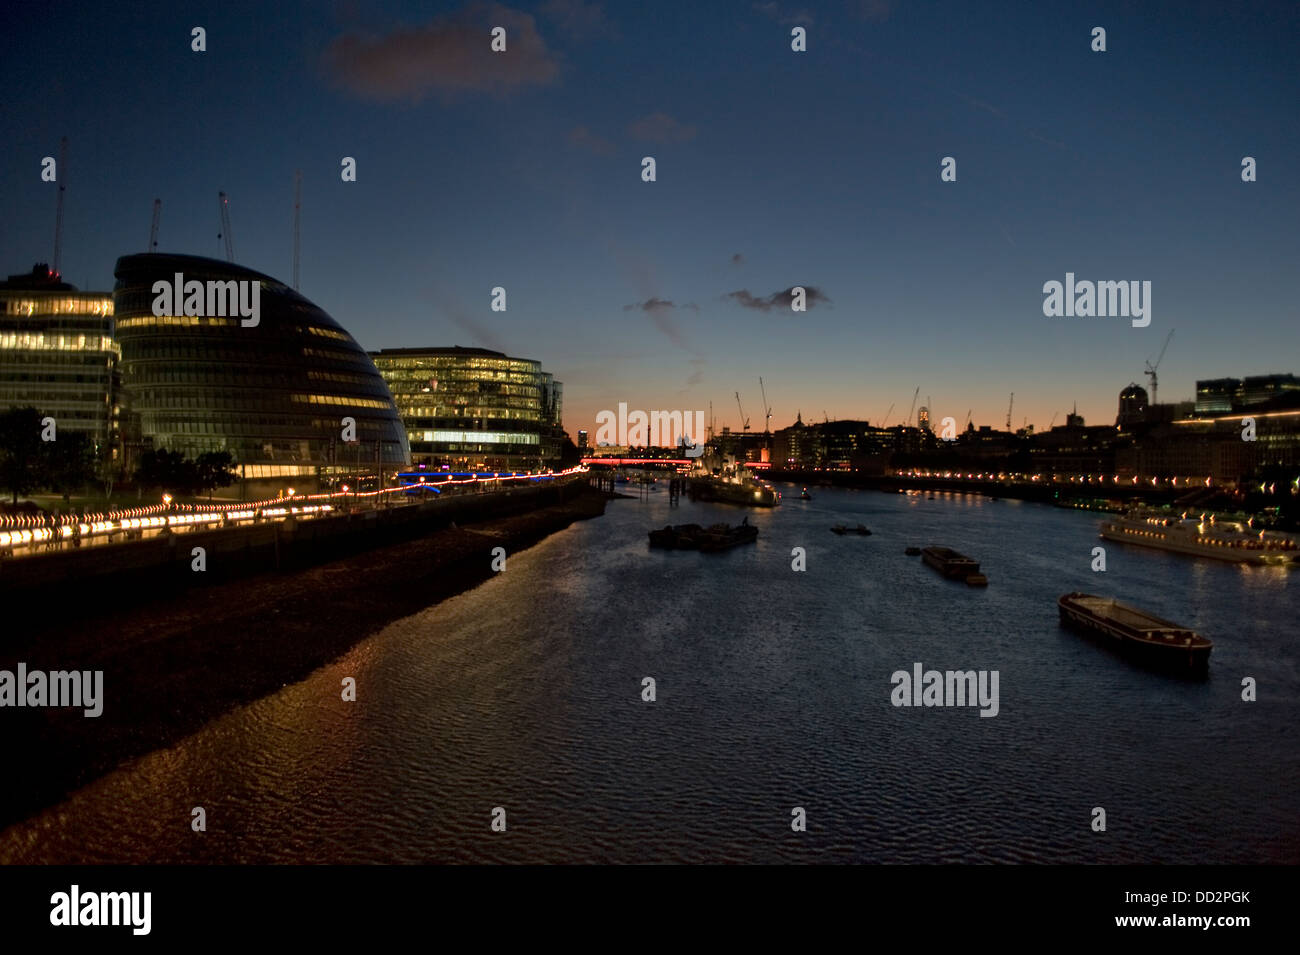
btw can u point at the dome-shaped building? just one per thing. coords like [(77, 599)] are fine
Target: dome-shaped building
[(273, 392), (1133, 407)]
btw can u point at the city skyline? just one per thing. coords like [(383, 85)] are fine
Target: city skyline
[(666, 294)]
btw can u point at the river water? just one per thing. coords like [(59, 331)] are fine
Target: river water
[(772, 692)]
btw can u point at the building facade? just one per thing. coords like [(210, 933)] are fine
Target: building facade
[(57, 354), (282, 396), (471, 408)]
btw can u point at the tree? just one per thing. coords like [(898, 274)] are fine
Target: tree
[(166, 471), (69, 463), (570, 456), (214, 469), (21, 460)]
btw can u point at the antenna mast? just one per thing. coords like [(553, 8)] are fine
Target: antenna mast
[(58, 215), (153, 229), (297, 206), (223, 206)]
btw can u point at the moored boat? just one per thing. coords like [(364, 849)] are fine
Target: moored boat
[(1203, 537), (726, 490), (678, 537), (723, 536), (951, 564), (1135, 631)]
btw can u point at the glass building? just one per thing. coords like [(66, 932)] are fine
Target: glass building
[(474, 408), (57, 354), (1133, 407), (274, 394)]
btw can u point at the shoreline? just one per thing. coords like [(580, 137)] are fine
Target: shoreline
[(176, 662)]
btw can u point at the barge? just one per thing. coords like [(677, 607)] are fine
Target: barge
[(1136, 632), (951, 564)]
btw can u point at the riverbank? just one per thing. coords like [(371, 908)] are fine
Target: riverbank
[(184, 658)]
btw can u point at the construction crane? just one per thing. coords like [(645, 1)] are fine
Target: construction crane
[(223, 207), (963, 427), (297, 206), (153, 228), (916, 394), (1151, 369), (744, 421), (767, 411), (1053, 421), (62, 174), (885, 422), (1010, 404)]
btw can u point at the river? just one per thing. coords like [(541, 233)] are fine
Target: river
[(772, 692)]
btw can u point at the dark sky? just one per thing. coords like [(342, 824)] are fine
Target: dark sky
[(775, 169)]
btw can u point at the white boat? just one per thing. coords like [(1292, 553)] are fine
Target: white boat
[(1203, 536)]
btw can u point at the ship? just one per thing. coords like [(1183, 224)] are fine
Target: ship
[(1203, 537), (732, 484), (1136, 632), (951, 564), (678, 537), (723, 536), (843, 529), (715, 537)]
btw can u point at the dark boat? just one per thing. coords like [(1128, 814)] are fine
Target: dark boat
[(913, 552), (805, 496), (1136, 632), (745, 492), (951, 564), (842, 529), (724, 536), (679, 537)]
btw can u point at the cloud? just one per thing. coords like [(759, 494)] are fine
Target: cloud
[(697, 375), (773, 11), (449, 55), (480, 333), (876, 10), (980, 104), (584, 138), (1043, 139), (746, 299), (737, 259), (661, 128), (660, 312), (578, 19), (450, 307)]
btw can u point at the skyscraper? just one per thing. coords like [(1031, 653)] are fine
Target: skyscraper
[(57, 353)]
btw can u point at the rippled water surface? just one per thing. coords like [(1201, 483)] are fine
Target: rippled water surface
[(773, 692)]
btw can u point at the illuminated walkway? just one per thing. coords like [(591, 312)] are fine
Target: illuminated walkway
[(24, 535)]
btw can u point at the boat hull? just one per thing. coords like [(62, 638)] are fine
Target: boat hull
[(948, 562), (725, 492), (1152, 539), (1134, 633), (712, 541)]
